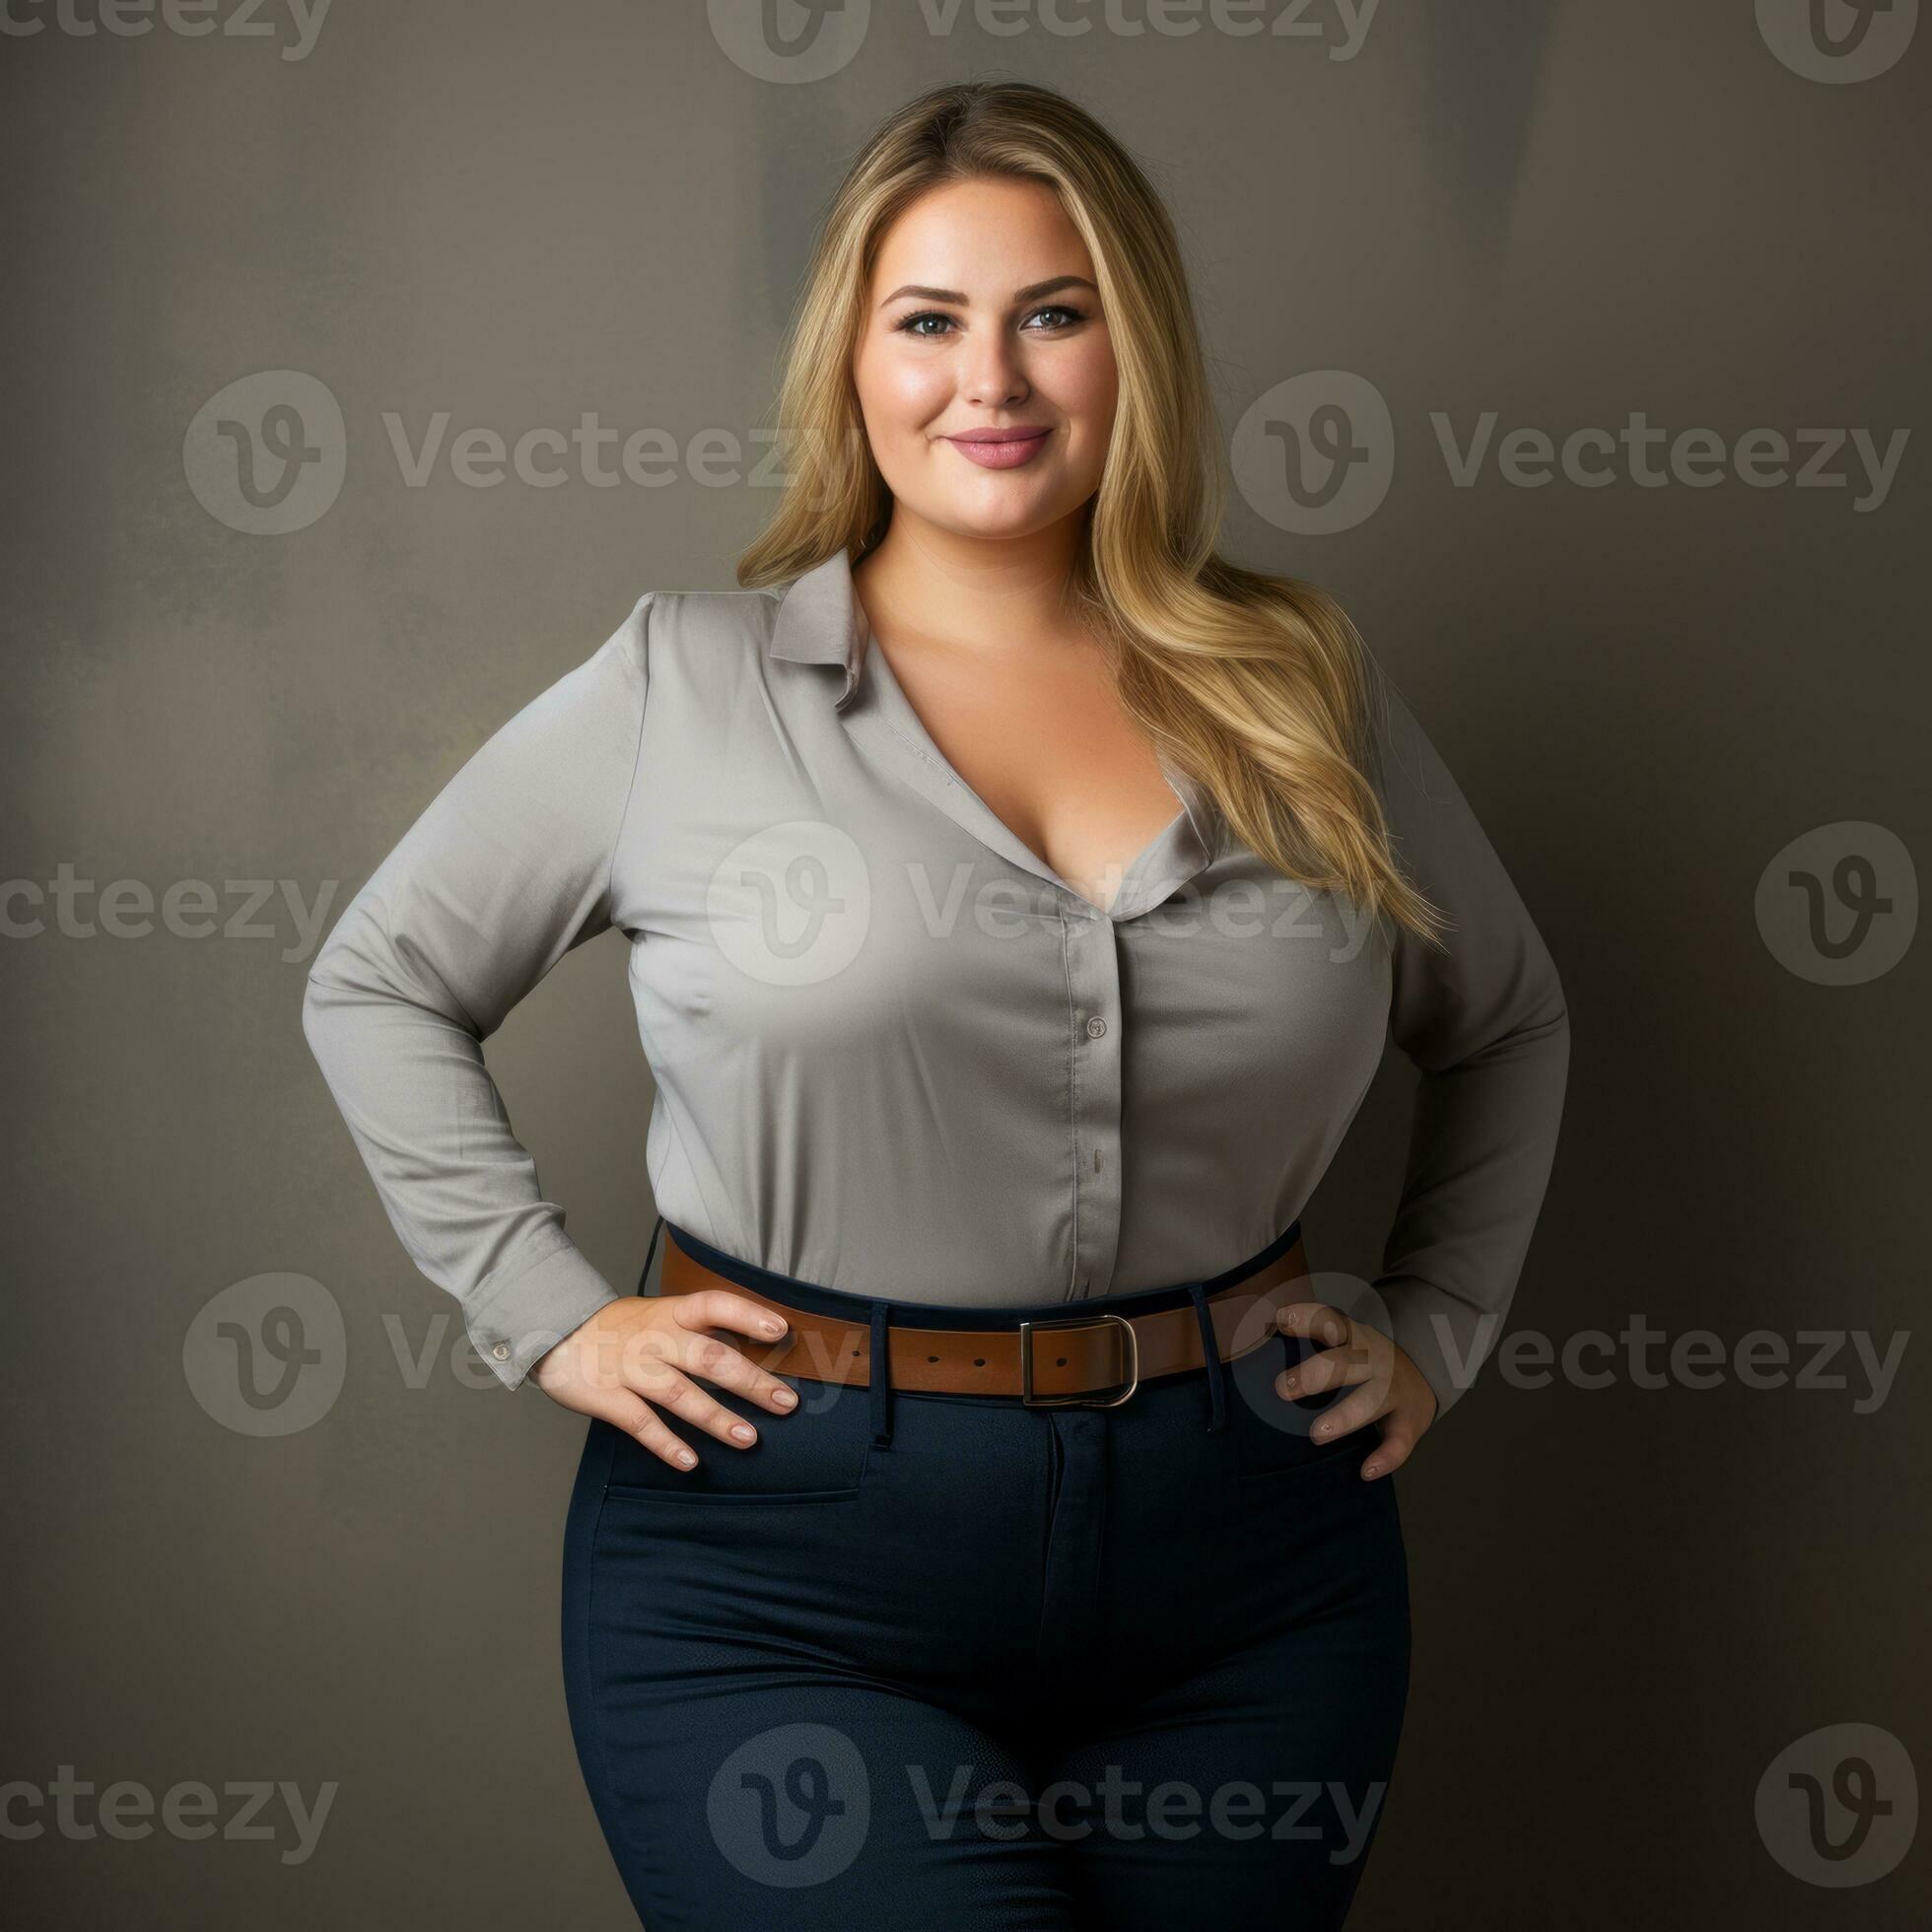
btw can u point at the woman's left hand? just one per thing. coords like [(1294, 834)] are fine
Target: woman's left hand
[(1393, 1391)]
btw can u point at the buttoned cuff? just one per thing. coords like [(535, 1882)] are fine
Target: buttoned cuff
[(534, 1311)]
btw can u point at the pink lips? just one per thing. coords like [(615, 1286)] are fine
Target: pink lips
[(1000, 449)]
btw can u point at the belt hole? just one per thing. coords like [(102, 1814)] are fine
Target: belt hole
[(1059, 1361), (979, 1361), (932, 1358)]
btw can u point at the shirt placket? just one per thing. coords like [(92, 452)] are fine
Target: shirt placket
[(1094, 1020), (879, 719)]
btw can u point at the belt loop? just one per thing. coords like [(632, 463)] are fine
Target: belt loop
[(881, 1378), (1216, 1369), (648, 1252)]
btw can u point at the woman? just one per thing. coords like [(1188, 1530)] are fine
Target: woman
[(1016, 923)]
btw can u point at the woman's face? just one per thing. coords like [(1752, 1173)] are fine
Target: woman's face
[(984, 316)]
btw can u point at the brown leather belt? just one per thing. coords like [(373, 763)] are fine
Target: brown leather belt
[(1092, 1360)]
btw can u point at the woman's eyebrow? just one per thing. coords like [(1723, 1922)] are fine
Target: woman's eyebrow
[(1030, 294)]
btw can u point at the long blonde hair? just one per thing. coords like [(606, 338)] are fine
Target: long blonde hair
[(1259, 687)]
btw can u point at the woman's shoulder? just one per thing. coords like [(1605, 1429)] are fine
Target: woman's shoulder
[(705, 642), (721, 614), (699, 632)]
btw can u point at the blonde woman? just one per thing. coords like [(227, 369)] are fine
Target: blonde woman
[(983, 1524)]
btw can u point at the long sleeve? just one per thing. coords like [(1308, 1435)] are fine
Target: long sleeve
[(507, 869), (1487, 1026)]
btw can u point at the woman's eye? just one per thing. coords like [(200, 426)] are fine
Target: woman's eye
[(1057, 315)]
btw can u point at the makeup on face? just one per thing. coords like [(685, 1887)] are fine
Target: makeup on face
[(1000, 449)]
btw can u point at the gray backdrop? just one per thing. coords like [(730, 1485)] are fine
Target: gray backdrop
[(1650, 1589)]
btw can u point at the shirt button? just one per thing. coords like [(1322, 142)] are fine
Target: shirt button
[(1095, 1027), (501, 1352)]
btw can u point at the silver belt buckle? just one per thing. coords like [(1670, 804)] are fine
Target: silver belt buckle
[(1130, 1347)]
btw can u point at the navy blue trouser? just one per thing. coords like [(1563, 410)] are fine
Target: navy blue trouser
[(955, 1661)]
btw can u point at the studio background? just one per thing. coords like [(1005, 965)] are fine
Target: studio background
[(248, 657)]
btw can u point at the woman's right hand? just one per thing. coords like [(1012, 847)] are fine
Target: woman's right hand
[(638, 1355)]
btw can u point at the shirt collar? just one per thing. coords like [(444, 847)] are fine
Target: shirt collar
[(820, 621)]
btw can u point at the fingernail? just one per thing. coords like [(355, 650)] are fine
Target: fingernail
[(784, 1397), (744, 1431), (774, 1327), (1372, 1468), (1291, 1379), (686, 1458)]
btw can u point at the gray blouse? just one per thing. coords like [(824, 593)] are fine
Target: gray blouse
[(894, 1052)]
